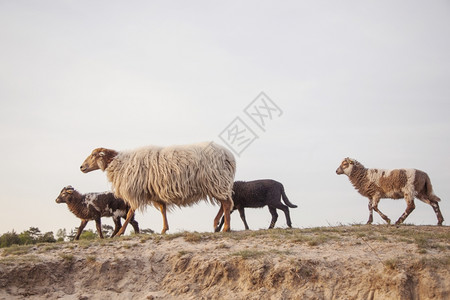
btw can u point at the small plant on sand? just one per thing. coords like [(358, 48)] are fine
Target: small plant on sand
[(392, 263), (192, 237), (172, 236), (182, 252), (222, 246), (145, 237), (127, 246), (84, 244), (246, 254), (91, 258), (280, 252), (66, 257), (318, 239), (17, 250)]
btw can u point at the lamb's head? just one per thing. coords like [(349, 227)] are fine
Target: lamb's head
[(99, 159), (65, 195), (346, 166)]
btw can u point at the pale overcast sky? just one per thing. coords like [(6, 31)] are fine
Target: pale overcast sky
[(365, 79)]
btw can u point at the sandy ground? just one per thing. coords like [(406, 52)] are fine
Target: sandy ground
[(348, 262)]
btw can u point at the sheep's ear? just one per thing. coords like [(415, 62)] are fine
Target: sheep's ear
[(69, 191), (101, 154)]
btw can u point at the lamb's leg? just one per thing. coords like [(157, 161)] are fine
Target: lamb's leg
[(274, 214), (98, 223), (217, 218), (80, 228), (217, 229), (242, 214), (130, 215), (375, 201), (285, 209), (163, 209), (370, 213), (409, 208), (117, 226), (135, 225)]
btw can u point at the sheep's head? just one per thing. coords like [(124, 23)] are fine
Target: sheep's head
[(65, 194), (346, 166), (99, 159)]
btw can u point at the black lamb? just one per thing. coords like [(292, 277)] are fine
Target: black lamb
[(259, 193)]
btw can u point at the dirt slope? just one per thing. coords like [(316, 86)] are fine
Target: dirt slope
[(348, 262)]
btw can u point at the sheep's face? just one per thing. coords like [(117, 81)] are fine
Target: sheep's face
[(65, 195), (346, 166), (99, 159)]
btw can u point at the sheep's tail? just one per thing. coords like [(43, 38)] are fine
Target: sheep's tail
[(429, 187), (285, 198)]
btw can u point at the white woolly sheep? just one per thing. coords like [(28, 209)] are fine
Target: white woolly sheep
[(94, 206), (169, 176), (395, 184)]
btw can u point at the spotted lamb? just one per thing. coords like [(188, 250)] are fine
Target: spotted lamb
[(94, 206)]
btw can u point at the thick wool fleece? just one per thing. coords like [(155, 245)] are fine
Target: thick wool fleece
[(177, 175)]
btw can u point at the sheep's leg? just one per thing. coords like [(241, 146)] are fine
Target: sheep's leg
[(163, 209), (227, 205), (98, 223), (409, 208), (273, 212), (370, 213), (117, 226), (222, 221), (375, 208), (217, 218), (130, 215), (80, 228), (435, 207), (437, 211), (242, 214)]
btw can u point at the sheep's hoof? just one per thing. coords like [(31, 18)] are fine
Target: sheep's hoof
[(388, 222), (217, 229)]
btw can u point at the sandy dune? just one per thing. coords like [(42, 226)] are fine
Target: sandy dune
[(347, 262)]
